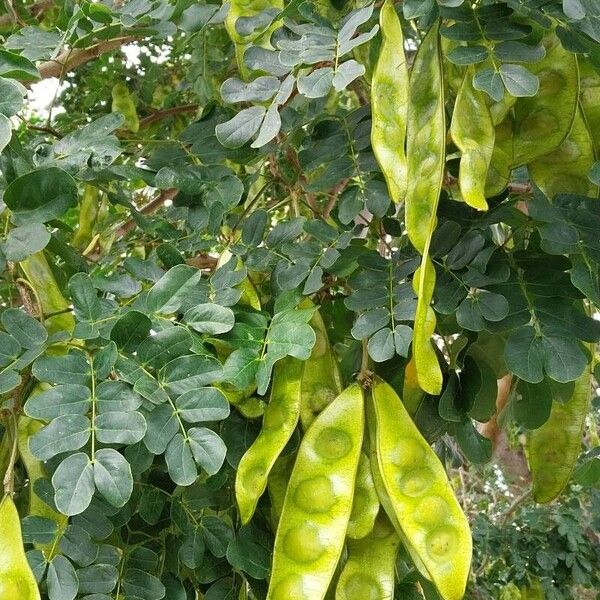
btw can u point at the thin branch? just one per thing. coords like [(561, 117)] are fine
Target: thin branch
[(167, 112), (148, 209), (70, 59)]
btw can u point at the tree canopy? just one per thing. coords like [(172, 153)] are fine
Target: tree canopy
[(300, 300)]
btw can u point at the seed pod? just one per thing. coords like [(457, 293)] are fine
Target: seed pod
[(321, 380), (426, 145), (472, 131), (365, 504), (369, 571), (122, 102), (422, 500), (318, 501), (389, 104), (565, 170), (16, 577), (554, 447), (279, 421)]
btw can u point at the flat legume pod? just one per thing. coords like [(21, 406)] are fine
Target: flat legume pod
[(277, 483), (35, 470), (426, 144), (279, 421), (318, 501), (554, 447), (565, 170), (365, 504), (369, 571), (38, 273), (540, 123), (421, 496), (389, 103), (16, 579), (472, 131), (321, 380), (590, 99), (384, 498)]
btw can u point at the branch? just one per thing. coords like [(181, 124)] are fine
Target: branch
[(71, 59), (35, 10), (148, 209), (167, 112)]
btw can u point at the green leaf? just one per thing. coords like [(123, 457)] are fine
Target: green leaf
[(24, 241), (192, 549), (116, 396), (513, 51), (5, 131), (588, 474), (171, 289), (477, 448), (190, 372), (468, 55), (489, 81), (203, 404), (250, 552), (180, 461), (112, 476), (38, 530), (15, 66), (241, 128), (519, 81), (72, 368), (157, 350), (40, 196), (61, 579), (532, 404), (11, 97), (162, 425), (207, 448), (564, 358), (9, 349), (63, 434), (524, 355), (73, 483), (317, 83), (29, 332), (85, 298), (217, 535), (381, 345), (97, 579), (120, 427), (210, 318), (66, 399), (138, 584), (258, 90), (131, 330)]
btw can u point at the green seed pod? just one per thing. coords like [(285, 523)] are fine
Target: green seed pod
[(426, 146), (422, 500), (554, 447), (122, 102), (279, 421), (472, 131), (369, 571), (321, 380), (318, 501), (365, 504), (565, 170), (389, 104), (16, 578)]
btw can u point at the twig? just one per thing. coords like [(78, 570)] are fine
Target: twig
[(167, 112), (72, 58), (148, 209)]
